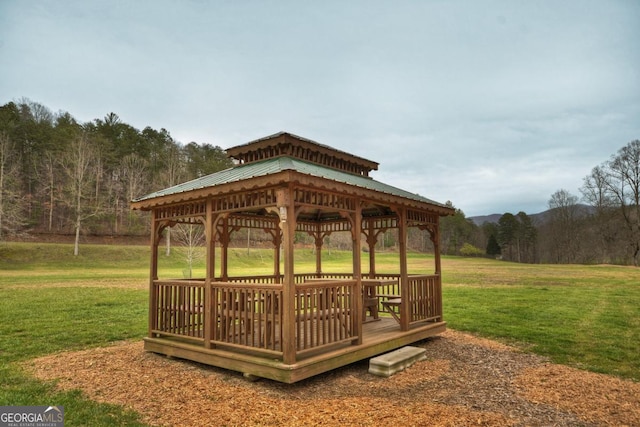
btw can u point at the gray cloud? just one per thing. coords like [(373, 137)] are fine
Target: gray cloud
[(492, 105)]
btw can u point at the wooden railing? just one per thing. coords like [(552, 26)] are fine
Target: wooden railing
[(248, 312), (269, 279), (303, 277), (324, 314), (178, 308), (247, 315), (425, 298)]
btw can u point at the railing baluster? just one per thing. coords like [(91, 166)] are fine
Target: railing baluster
[(249, 315), (424, 298), (178, 309)]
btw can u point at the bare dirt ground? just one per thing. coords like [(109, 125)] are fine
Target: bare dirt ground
[(465, 381)]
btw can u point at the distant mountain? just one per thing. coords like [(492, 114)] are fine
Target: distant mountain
[(479, 220), (537, 218)]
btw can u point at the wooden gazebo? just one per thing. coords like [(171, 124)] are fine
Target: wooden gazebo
[(288, 326)]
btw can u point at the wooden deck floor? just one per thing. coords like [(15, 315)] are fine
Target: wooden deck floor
[(378, 337)]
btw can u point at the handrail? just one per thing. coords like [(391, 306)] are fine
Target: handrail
[(240, 285), (186, 282), (323, 283), (249, 315), (178, 308)]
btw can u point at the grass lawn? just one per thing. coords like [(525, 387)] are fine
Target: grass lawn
[(584, 316), (51, 301)]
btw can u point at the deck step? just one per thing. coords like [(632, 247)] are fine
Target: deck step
[(396, 361)]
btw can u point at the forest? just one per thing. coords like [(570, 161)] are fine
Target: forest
[(62, 177)]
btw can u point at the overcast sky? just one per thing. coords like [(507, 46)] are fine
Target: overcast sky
[(493, 105)]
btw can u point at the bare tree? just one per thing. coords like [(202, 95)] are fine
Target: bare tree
[(173, 173), (623, 184), (191, 238), (113, 186), (11, 218), (604, 220), (49, 168), (564, 217), (133, 169), (79, 164), (613, 188), (133, 173)]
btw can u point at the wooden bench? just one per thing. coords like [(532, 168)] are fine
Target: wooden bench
[(370, 304), (388, 296), (392, 306)]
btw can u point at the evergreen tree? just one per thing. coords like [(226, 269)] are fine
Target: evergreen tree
[(493, 248)]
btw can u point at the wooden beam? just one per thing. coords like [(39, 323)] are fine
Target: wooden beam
[(276, 238), (156, 229), (436, 248), (372, 238), (286, 211), (224, 237), (435, 238), (209, 230), (318, 240), (357, 299), (277, 245), (153, 271), (404, 274)]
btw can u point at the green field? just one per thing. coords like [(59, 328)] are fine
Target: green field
[(51, 301)]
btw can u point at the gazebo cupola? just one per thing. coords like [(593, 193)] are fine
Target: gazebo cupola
[(288, 145)]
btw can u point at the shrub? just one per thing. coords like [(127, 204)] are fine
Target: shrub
[(469, 250)]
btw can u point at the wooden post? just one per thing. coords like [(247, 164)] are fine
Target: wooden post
[(153, 271), (357, 299), (435, 238), (210, 275), (277, 244), (275, 232), (155, 235), (404, 275), (224, 253), (372, 238), (318, 237), (286, 212)]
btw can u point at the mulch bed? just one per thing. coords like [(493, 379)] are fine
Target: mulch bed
[(465, 381)]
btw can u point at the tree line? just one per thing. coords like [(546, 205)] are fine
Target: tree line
[(61, 176), (64, 177), (601, 226)]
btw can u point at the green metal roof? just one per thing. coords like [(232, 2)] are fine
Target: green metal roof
[(280, 164)]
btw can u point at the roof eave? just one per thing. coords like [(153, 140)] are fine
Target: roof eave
[(253, 183), (287, 172)]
